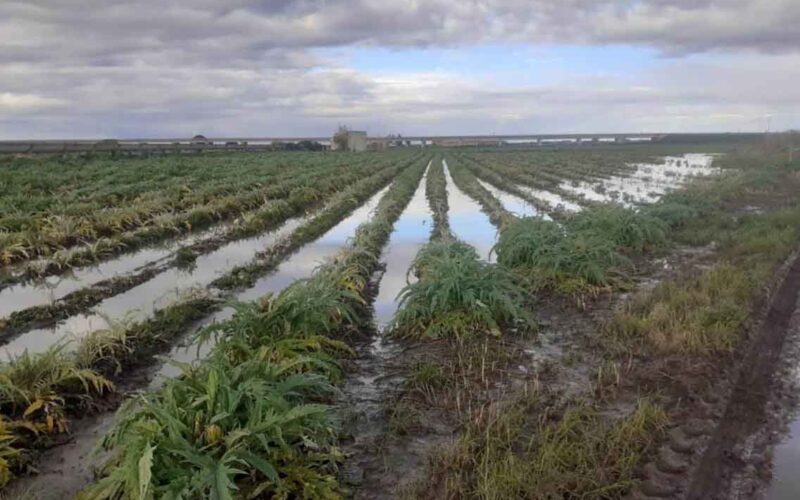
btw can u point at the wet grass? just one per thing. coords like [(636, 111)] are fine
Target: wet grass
[(457, 296), (37, 394), (41, 393), (436, 193), (707, 313), (702, 314), (570, 453), (584, 254)]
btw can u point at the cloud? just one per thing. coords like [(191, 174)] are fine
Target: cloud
[(25, 102), (101, 68)]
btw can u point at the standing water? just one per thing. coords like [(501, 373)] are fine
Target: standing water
[(51, 288), (785, 483), (467, 220), (366, 391), (141, 302), (300, 265), (510, 202), (411, 232), (648, 182)]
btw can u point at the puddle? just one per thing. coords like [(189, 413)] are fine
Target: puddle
[(140, 302), (785, 484), (647, 183), (510, 202), (47, 290), (298, 266), (468, 222), (411, 232), (373, 378), (68, 468)]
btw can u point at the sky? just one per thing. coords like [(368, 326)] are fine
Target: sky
[(236, 68)]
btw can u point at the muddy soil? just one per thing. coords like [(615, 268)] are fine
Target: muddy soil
[(396, 429), (735, 463)]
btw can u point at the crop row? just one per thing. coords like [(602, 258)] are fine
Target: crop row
[(255, 419), (472, 304), (533, 169), (312, 228), (33, 398), (268, 217), (99, 231)]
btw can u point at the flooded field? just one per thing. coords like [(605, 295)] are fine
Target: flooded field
[(482, 345), (296, 267)]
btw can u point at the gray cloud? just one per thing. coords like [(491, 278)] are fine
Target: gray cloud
[(114, 68)]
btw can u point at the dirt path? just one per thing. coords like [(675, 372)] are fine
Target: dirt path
[(731, 453)]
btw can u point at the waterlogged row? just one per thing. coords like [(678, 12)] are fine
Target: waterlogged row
[(260, 353), (574, 181), (648, 182), (297, 267), (93, 359), (41, 293), (132, 215), (139, 303)]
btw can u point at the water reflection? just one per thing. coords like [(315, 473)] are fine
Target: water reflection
[(51, 288), (298, 266), (510, 202), (647, 183), (467, 221), (411, 232), (140, 302), (785, 480)]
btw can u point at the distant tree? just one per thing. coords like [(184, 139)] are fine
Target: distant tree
[(340, 138), (310, 146)]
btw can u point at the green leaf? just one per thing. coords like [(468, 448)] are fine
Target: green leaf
[(261, 464), (145, 470)]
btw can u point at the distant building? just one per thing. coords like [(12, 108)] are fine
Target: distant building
[(350, 140), (200, 139), (377, 144)]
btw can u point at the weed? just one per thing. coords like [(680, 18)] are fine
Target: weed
[(704, 314), (627, 229), (457, 295), (185, 258), (576, 455), (552, 257)]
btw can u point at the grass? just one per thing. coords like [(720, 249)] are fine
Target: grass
[(548, 256), (457, 296), (574, 454), (628, 230), (436, 193), (585, 254), (704, 314), (707, 313)]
